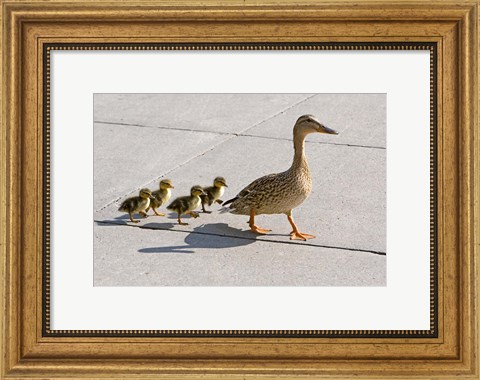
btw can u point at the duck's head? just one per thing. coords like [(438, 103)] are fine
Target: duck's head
[(309, 124), (219, 182), (166, 184), (196, 191), (145, 194)]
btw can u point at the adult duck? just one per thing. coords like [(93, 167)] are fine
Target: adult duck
[(280, 193)]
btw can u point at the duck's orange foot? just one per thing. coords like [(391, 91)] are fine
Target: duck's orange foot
[(295, 235), (258, 230)]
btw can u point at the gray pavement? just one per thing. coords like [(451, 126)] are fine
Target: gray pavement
[(192, 138)]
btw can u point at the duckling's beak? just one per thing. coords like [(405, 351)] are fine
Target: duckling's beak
[(151, 196), (327, 130), (224, 184), (171, 187)]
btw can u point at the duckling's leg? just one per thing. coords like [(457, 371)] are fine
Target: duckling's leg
[(296, 234), (157, 213), (203, 209), (255, 228), (131, 218), (194, 214), (180, 222)]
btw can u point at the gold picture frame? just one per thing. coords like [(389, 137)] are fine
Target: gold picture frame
[(32, 28)]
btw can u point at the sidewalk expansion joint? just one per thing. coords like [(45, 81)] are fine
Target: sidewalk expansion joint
[(113, 223), (237, 134)]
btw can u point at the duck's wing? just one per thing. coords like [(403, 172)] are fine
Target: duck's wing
[(128, 205), (159, 195), (251, 192), (261, 183), (209, 195), (181, 203)]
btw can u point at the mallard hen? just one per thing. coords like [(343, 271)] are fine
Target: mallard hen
[(213, 193), (137, 204), (186, 205), (280, 193)]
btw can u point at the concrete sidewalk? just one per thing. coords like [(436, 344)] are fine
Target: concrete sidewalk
[(190, 138)]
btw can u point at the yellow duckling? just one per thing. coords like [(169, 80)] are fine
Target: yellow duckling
[(186, 205), (213, 193), (161, 196), (137, 204)]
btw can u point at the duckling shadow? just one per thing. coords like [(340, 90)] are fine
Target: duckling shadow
[(174, 216), (122, 217), (209, 236), (113, 222), (159, 226)]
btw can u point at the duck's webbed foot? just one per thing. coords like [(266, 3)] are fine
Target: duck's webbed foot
[(255, 228), (258, 230), (131, 218), (180, 221), (143, 214), (205, 210), (194, 214), (156, 212), (296, 235)]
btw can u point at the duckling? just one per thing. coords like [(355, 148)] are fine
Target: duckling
[(186, 205), (213, 193), (280, 193), (137, 204), (161, 196)]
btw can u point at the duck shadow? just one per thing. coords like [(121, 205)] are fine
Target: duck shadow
[(208, 236)]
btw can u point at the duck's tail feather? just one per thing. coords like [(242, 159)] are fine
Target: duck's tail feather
[(225, 208), (229, 201)]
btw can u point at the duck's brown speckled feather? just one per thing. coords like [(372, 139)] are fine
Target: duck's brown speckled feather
[(275, 193)]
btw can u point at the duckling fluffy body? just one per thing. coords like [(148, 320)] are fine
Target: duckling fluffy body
[(280, 193), (161, 196), (187, 204), (213, 193), (137, 204)]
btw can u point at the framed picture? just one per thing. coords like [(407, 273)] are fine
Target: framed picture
[(242, 189)]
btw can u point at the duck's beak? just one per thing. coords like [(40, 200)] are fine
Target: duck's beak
[(151, 196), (224, 184), (171, 187), (329, 131)]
